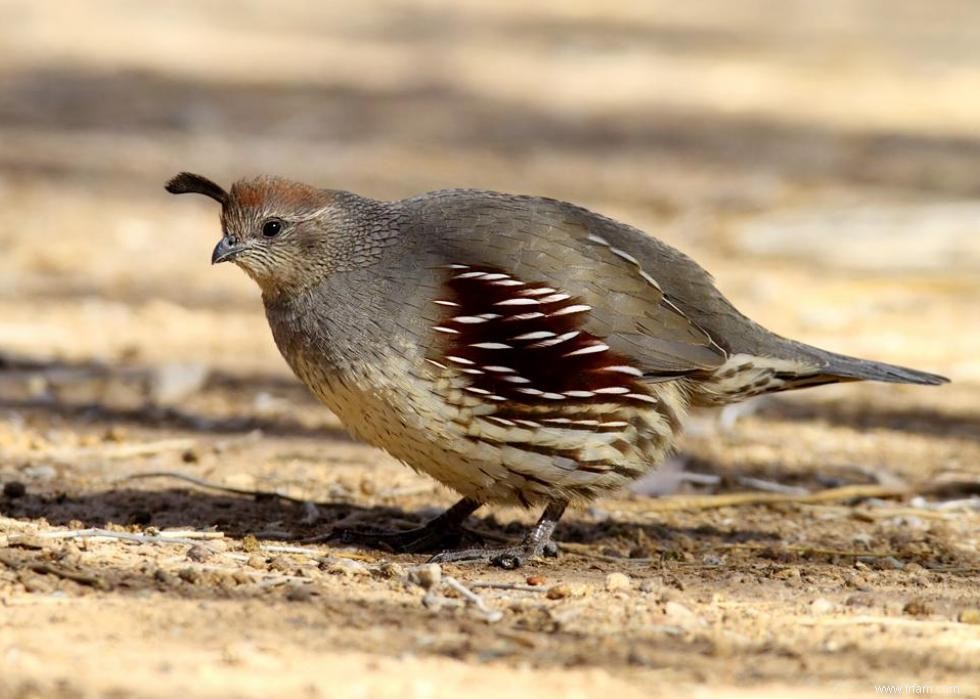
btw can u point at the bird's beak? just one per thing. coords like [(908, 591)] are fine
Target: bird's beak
[(227, 248)]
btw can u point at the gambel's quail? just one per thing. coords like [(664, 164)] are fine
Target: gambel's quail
[(518, 349)]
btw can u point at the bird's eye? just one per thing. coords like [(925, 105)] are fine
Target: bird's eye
[(271, 228)]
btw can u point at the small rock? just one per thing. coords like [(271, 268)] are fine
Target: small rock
[(390, 570), (114, 434), (198, 553), (791, 574), (344, 566), (535, 580), (172, 383), (189, 575), (426, 576), (14, 489), (190, 456), (680, 614), (250, 544), (821, 606), (560, 591), (257, 562), (890, 563), (299, 593), (918, 606), (651, 585), (617, 582), (969, 616), (165, 578), (41, 472)]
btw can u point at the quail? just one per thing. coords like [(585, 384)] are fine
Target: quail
[(518, 349)]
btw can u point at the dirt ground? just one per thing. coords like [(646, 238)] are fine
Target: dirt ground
[(821, 159)]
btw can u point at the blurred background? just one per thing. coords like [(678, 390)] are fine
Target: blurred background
[(820, 158)]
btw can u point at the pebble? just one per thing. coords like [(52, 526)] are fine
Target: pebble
[(917, 606), (680, 614), (617, 582), (345, 566), (299, 593), (560, 591), (256, 562), (390, 570), (969, 616), (189, 575), (171, 383), (821, 606), (14, 489), (426, 576), (198, 553)]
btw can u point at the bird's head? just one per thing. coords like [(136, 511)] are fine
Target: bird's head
[(284, 234)]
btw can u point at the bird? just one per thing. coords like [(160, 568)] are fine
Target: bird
[(520, 350)]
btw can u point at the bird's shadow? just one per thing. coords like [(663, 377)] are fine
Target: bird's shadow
[(268, 516)]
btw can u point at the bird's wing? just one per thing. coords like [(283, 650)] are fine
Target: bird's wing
[(617, 272)]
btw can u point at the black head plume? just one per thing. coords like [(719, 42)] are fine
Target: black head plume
[(188, 182)]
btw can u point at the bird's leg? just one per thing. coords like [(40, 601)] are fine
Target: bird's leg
[(536, 542), (438, 533)]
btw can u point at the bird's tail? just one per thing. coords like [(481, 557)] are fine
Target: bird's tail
[(846, 368)]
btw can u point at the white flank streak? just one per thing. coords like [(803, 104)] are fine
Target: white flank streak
[(457, 266), (516, 379), (625, 255), (508, 282), (446, 303), (598, 239), (592, 349), (643, 397), (494, 277), (474, 389), (517, 302), (527, 316), (530, 391), (613, 389), (586, 423), (499, 369), (650, 280), (556, 341), (460, 360), (557, 420), (469, 319), (614, 423), (536, 335), (488, 316), (435, 363), (475, 372), (470, 275), (555, 298), (502, 421), (540, 291), (577, 308), (441, 329), (553, 396), (528, 423), (495, 397), (579, 394), (491, 345), (623, 369)]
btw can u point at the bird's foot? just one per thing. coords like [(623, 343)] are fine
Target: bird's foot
[(506, 557), (537, 542)]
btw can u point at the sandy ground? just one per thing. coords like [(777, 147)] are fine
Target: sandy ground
[(821, 159)]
